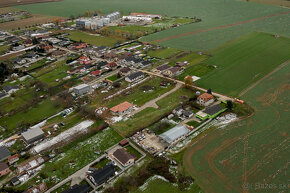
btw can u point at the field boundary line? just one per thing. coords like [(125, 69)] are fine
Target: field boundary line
[(219, 27), (263, 78)]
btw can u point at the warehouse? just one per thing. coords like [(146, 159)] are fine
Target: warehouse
[(175, 133), (81, 89), (32, 135)]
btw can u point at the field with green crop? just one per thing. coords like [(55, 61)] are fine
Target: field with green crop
[(213, 14), (163, 53), (94, 39), (247, 155), (243, 61)]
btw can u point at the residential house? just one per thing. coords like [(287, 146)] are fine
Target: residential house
[(84, 60), (80, 46), (83, 188), (102, 175), (122, 108), (75, 70), (101, 64), (19, 61), (145, 63), (28, 42), (13, 159), (123, 157), (205, 99), (58, 53), (135, 76), (161, 68), (187, 114), (210, 112), (4, 153), (124, 71), (112, 65), (4, 169), (37, 189), (32, 135), (96, 72), (171, 72), (18, 48), (181, 64), (82, 89), (110, 54), (15, 181)]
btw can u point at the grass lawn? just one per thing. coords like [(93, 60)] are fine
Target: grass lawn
[(113, 77), (199, 70), (192, 57), (75, 156), (94, 39), (245, 60), (3, 49), (161, 186), (150, 115), (51, 77), (101, 163), (193, 123), (37, 64), (62, 188), (159, 130), (133, 151), (33, 115), (163, 53)]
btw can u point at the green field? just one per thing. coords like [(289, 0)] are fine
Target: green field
[(248, 154), (150, 115), (243, 61), (163, 53), (94, 39)]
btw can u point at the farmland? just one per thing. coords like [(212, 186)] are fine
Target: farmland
[(8, 3), (212, 13), (249, 153), (163, 53), (243, 61), (94, 39)]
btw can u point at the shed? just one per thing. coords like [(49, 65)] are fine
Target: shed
[(173, 134), (32, 135)]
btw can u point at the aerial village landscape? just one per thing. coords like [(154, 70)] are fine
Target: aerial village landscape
[(137, 99)]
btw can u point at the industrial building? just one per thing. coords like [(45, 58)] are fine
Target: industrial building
[(136, 19), (174, 134), (81, 89), (32, 135)]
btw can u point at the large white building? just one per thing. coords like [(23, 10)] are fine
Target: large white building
[(136, 19)]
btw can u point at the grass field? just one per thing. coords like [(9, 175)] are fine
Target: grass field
[(163, 53), (93, 39), (249, 154), (243, 61), (150, 115), (212, 13)]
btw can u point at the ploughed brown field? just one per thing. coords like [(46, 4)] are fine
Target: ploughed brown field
[(8, 3)]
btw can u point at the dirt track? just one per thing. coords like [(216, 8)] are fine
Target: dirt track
[(220, 27), (8, 3)]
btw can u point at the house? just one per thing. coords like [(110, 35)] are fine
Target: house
[(80, 46), (58, 53), (82, 89), (110, 55), (10, 89), (123, 157), (205, 99), (187, 114), (210, 112), (101, 64), (15, 181), (161, 68), (83, 188), (96, 72), (112, 65), (178, 111), (122, 108), (134, 76), (172, 71), (124, 142), (102, 175), (18, 48), (145, 63), (84, 60), (32, 135), (4, 153), (181, 64), (37, 189), (4, 169), (75, 70), (124, 71), (2, 94), (13, 159), (28, 42)]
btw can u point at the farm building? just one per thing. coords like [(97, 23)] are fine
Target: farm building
[(4, 153), (102, 175), (136, 19), (113, 16), (210, 112), (122, 108), (83, 188), (175, 133), (205, 99), (32, 135), (134, 76), (81, 89), (123, 157), (153, 16)]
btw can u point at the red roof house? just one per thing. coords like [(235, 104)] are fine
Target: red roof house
[(96, 72)]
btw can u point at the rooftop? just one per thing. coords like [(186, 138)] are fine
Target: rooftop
[(213, 109), (81, 86), (122, 107), (205, 97), (4, 153), (122, 155), (31, 133), (174, 133)]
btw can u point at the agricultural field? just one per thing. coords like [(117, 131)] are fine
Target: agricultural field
[(8, 3), (248, 154), (220, 23), (274, 2), (243, 61), (163, 53), (94, 39)]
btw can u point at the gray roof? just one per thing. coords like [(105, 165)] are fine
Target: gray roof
[(3, 166), (163, 67), (10, 87), (213, 109), (4, 152), (2, 94), (32, 133), (81, 86), (135, 75), (174, 133)]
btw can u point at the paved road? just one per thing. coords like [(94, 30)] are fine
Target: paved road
[(152, 103), (221, 96)]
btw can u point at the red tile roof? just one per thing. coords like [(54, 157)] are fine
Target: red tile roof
[(206, 97), (122, 107), (96, 72)]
